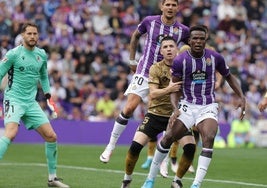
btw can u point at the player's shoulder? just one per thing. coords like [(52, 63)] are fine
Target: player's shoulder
[(210, 51), (151, 18), (214, 53), (184, 48), (159, 64), (14, 51), (156, 66), (40, 51), (16, 48), (180, 25)]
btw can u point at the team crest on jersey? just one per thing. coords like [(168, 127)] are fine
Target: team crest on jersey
[(208, 61), (4, 60), (176, 30), (160, 37)]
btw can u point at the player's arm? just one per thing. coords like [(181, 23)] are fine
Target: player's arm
[(44, 81), (156, 92), (175, 97), (263, 103), (133, 48), (6, 63), (219, 80), (232, 81)]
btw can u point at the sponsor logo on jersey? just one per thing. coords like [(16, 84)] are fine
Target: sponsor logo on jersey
[(199, 77)]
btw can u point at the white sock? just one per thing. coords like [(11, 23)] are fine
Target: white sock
[(127, 177), (202, 167), (115, 134), (157, 160), (176, 178), (51, 177)]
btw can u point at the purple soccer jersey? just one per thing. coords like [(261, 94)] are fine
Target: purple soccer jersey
[(199, 75), (156, 30)]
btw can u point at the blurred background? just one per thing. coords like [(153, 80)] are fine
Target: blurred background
[(88, 50)]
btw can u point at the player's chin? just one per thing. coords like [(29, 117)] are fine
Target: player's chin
[(198, 49)]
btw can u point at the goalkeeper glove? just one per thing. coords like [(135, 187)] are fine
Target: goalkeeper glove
[(52, 105)]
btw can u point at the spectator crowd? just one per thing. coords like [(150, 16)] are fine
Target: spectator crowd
[(87, 42)]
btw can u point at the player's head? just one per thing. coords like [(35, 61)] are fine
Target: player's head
[(29, 34), (163, 1), (207, 30), (169, 9), (197, 39), (168, 48)]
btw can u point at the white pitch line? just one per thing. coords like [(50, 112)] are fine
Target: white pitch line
[(122, 172)]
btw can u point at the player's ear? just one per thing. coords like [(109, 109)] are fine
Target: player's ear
[(189, 42)]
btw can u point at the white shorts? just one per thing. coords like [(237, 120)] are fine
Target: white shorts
[(138, 86), (193, 114)]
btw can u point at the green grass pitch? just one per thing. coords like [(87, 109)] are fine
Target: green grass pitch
[(24, 166)]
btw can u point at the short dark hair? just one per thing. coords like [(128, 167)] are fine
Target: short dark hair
[(163, 1), (167, 38), (198, 28), (28, 24)]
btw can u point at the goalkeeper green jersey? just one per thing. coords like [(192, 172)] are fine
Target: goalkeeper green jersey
[(25, 69)]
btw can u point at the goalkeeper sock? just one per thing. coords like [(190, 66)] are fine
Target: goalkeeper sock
[(51, 157), (4, 142)]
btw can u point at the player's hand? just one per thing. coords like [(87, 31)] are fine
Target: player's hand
[(174, 117), (242, 105), (262, 104), (174, 87), (1, 112), (52, 105)]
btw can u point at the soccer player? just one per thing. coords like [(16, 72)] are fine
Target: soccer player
[(155, 28), (263, 103), (26, 66), (159, 109), (151, 147), (196, 68)]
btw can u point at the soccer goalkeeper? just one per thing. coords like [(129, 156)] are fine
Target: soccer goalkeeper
[(26, 66)]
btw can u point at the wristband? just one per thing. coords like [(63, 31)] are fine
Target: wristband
[(47, 96), (132, 62)]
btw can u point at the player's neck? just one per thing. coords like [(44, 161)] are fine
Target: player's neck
[(168, 62), (167, 21), (196, 54), (30, 48)]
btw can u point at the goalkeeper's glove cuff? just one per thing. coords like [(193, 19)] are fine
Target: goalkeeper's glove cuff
[(47, 96), (51, 104)]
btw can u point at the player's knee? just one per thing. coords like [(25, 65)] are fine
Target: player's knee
[(122, 119), (163, 147), (135, 148), (167, 141), (189, 150), (51, 137)]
